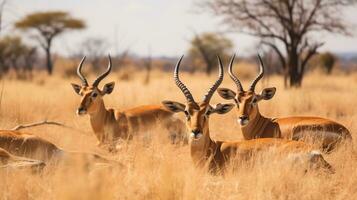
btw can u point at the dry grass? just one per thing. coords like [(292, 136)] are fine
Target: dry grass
[(161, 171)]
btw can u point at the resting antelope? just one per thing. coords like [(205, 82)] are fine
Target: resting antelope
[(110, 125), (34, 147), (254, 125), (9, 161), (217, 154)]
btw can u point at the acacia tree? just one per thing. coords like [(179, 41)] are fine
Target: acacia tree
[(286, 26), (205, 47), (49, 25)]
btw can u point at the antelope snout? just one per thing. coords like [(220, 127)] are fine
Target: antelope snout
[(81, 111), (243, 120), (196, 134)]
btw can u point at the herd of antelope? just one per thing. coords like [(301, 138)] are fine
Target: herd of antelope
[(289, 138)]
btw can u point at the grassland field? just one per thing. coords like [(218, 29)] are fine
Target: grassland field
[(159, 170)]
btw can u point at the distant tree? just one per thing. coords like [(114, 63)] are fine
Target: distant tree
[(95, 49), (148, 66), (205, 48), (287, 26), (120, 57), (327, 61), (16, 55), (49, 25)]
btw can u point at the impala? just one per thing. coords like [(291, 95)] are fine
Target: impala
[(216, 154), (9, 161), (254, 125), (34, 147), (110, 125)]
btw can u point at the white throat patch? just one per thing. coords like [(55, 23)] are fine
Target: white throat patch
[(195, 136), (242, 122)]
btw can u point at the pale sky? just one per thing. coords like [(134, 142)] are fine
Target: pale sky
[(163, 25)]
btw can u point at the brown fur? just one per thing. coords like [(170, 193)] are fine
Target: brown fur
[(217, 154), (110, 125), (10, 161), (34, 147), (326, 131)]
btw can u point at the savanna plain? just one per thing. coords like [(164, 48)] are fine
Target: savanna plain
[(154, 168)]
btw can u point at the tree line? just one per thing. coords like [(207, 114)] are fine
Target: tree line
[(288, 29)]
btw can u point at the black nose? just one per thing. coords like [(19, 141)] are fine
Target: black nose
[(243, 117), (196, 131)]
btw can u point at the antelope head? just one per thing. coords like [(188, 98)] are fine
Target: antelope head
[(246, 101), (197, 113), (92, 96)]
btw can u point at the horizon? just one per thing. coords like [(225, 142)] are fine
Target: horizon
[(173, 26)]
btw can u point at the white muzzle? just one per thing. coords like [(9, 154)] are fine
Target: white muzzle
[(242, 122), (196, 136)]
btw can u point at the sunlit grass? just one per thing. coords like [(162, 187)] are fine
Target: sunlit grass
[(158, 170)]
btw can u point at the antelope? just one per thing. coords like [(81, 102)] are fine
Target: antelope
[(254, 125), (9, 161), (217, 154), (34, 147), (111, 125)]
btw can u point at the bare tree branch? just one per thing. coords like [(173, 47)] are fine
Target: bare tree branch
[(277, 51), (290, 23), (312, 51), (44, 122)]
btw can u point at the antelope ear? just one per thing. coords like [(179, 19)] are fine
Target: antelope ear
[(226, 93), (174, 106), (108, 88), (77, 88), (267, 93), (221, 108)]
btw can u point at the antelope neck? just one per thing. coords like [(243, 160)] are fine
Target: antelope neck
[(98, 120), (204, 149)]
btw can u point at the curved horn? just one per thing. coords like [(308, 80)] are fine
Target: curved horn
[(179, 84), (102, 76), (233, 77), (260, 75), (79, 72), (214, 87)]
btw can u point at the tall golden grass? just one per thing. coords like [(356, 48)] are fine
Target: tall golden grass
[(158, 170)]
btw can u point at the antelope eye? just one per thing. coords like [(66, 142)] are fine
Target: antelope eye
[(187, 114), (94, 94)]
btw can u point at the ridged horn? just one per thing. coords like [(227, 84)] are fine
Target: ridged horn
[(79, 72), (180, 85), (214, 87), (260, 75), (102, 76), (234, 77)]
